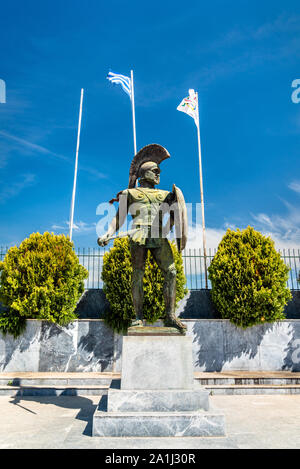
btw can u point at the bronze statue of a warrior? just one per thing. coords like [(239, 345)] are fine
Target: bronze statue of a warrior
[(147, 207)]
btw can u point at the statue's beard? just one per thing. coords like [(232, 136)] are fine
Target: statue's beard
[(143, 181)]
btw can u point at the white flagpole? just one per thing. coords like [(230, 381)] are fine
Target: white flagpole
[(76, 166), (201, 192), (133, 112)]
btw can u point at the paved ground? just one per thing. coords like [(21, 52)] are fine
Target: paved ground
[(259, 421), (116, 375)]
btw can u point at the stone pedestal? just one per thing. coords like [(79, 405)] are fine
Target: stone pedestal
[(157, 362), (157, 396)]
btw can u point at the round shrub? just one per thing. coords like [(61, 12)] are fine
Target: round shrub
[(249, 279), (40, 279), (116, 275)]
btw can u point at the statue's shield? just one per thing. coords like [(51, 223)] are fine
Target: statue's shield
[(180, 219)]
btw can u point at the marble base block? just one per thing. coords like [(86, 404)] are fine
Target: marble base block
[(157, 401), (164, 424), (155, 362), (157, 396)]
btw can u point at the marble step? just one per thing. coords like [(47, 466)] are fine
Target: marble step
[(54, 390), (72, 390), (203, 378), (119, 400), (236, 382), (57, 378), (247, 378), (252, 389), (158, 424)]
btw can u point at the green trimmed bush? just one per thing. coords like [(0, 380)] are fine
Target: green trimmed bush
[(40, 279), (249, 279), (116, 275)]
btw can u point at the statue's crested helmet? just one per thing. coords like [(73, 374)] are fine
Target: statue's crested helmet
[(146, 167), (147, 158)]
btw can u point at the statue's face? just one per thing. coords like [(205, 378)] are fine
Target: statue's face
[(152, 175)]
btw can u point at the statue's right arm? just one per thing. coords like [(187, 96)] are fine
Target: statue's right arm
[(117, 221)]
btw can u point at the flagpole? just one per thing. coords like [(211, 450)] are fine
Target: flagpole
[(76, 166), (133, 112), (201, 192)]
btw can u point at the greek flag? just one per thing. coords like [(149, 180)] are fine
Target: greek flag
[(118, 79)]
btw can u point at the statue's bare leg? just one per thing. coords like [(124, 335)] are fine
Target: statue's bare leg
[(138, 258), (165, 261)]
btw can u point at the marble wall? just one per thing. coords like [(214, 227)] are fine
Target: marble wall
[(85, 345), (197, 304), (89, 345)]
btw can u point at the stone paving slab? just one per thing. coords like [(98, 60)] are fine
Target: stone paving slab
[(66, 422)]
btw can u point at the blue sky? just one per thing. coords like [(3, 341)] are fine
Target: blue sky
[(241, 57)]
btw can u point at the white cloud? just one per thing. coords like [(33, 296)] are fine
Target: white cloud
[(285, 235), (79, 227), (12, 189), (283, 230), (34, 148), (282, 24), (295, 186), (264, 219), (213, 237), (82, 227), (94, 172), (57, 227)]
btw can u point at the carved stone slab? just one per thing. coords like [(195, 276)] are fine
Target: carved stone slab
[(153, 331)]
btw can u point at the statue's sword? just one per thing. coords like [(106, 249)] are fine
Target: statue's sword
[(121, 234)]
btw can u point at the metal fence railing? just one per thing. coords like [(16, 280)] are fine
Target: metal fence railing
[(193, 262), (291, 258), (194, 267)]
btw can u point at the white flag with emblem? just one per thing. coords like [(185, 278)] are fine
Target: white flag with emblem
[(189, 105)]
